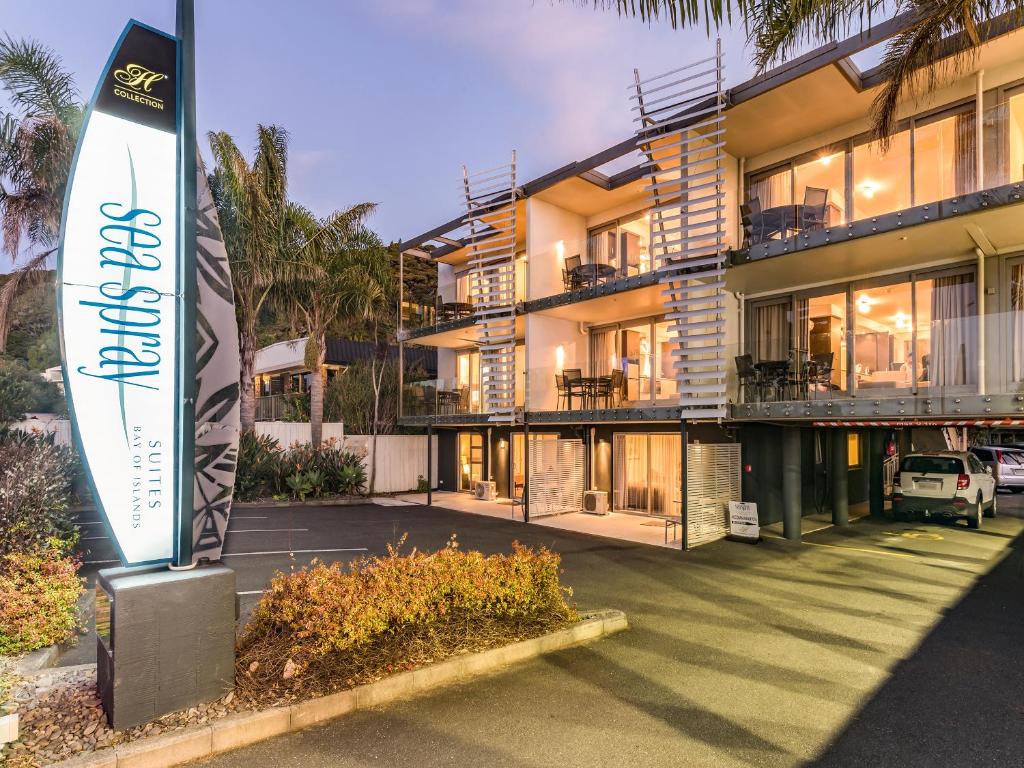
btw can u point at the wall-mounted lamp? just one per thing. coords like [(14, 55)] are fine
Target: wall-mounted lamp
[(559, 358)]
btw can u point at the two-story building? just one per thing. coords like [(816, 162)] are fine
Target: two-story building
[(869, 297)]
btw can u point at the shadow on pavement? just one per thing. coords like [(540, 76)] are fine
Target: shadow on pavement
[(959, 699)]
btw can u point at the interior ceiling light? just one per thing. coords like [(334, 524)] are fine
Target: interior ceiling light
[(868, 188)]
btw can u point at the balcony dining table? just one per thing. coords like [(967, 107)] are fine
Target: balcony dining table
[(784, 219), (591, 274), (456, 310)]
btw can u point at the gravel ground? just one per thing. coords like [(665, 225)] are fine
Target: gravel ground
[(60, 717)]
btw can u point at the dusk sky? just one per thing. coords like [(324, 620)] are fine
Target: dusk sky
[(385, 100)]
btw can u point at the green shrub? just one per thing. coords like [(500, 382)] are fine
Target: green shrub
[(40, 595), (260, 468), (36, 479), (334, 625), (265, 469), (23, 391)]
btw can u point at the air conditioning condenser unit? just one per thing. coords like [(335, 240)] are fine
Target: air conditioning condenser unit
[(486, 490), (595, 502)]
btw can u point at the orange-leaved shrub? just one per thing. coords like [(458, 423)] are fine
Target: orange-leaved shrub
[(326, 609), (38, 597)]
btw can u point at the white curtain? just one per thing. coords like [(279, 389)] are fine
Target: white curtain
[(1017, 319), (630, 482), (770, 338), (773, 190), (604, 357), (965, 162), (953, 358), (666, 475)]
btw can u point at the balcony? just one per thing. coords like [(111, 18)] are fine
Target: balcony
[(853, 189)]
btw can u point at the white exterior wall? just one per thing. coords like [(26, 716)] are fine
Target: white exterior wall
[(552, 233), (445, 363), (288, 432), (544, 336), (401, 460)]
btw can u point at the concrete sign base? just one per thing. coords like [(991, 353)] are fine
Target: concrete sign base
[(165, 640)]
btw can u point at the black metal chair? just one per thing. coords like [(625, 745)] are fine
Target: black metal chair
[(571, 274), (756, 227), (749, 378), (574, 385), (563, 391), (820, 372), (618, 382), (601, 392), (812, 215)]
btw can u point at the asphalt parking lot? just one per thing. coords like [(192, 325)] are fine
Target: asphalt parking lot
[(883, 643)]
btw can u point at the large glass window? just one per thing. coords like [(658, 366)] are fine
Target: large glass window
[(622, 245), (642, 351), (771, 335), (823, 342), (467, 380), (647, 473), (945, 159), (881, 180), (1017, 320), (471, 460), (820, 186)]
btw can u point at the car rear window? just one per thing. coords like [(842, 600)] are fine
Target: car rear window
[(1011, 457), (945, 465)]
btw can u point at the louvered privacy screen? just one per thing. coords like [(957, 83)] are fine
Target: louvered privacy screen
[(491, 216), (556, 477), (712, 481), (681, 133)]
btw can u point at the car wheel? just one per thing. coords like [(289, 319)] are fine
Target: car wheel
[(975, 520), (991, 511)]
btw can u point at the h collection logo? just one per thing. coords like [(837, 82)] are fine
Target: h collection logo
[(138, 78), (134, 82)]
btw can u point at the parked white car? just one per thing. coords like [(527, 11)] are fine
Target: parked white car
[(947, 485)]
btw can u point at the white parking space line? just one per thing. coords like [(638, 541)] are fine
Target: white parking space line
[(265, 530), (294, 552), (252, 592)]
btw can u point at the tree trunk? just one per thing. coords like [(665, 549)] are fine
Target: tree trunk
[(246, 388), (316, 394)]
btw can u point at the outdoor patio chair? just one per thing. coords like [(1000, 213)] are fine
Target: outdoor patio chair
[(749, 380), (618, 382), (574, 385), (563, 391), (601, 392), (570, 275), (820, 372), (812, 215)]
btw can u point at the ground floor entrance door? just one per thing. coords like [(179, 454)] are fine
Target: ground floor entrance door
[(471, 460), (647, 473)]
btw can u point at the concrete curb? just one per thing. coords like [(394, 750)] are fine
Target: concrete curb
[(341, 501), (246, 728)]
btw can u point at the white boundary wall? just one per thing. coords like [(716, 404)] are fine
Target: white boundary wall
[(402, 459), (288, 432), (60, 428)]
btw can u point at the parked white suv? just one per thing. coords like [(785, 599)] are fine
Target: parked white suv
[(948, 485)]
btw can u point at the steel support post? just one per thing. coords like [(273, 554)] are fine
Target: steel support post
[(526, 472), (876, 479), (792, 503), (684, 517), (430, 464), (840, 471)]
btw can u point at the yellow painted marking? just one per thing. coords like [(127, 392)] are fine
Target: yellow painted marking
[(858, 549), (926, 535)]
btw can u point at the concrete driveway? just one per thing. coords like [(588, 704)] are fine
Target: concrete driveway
[(881, 644)]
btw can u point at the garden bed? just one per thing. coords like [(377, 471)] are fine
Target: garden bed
[(324, 641)]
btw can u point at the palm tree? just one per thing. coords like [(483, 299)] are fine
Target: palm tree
[(337, 270), (251, 204), (914, 59), (37, 145)]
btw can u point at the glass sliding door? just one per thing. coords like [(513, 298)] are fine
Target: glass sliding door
[(822, 176), (647, 473), (953, 340), (467, 373), (822, 341), (881, 180), (637, 357), (471, 460), (1017, 320)]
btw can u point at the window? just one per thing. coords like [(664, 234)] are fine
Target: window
[(824, 173), (771, 335), (881, 180), (943, 465), (984, 454), (853, 450), (622, 244), (822, 342), (642, 351), (1017, 320), (945, 161)]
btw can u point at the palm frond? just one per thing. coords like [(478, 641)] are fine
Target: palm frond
[(25, 275), (679, 13), (35, 78)]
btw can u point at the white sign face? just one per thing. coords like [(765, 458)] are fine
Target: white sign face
[(743, 519), (119, 315)]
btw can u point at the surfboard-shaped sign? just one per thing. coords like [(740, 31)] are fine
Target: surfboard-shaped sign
[(119, 294)]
